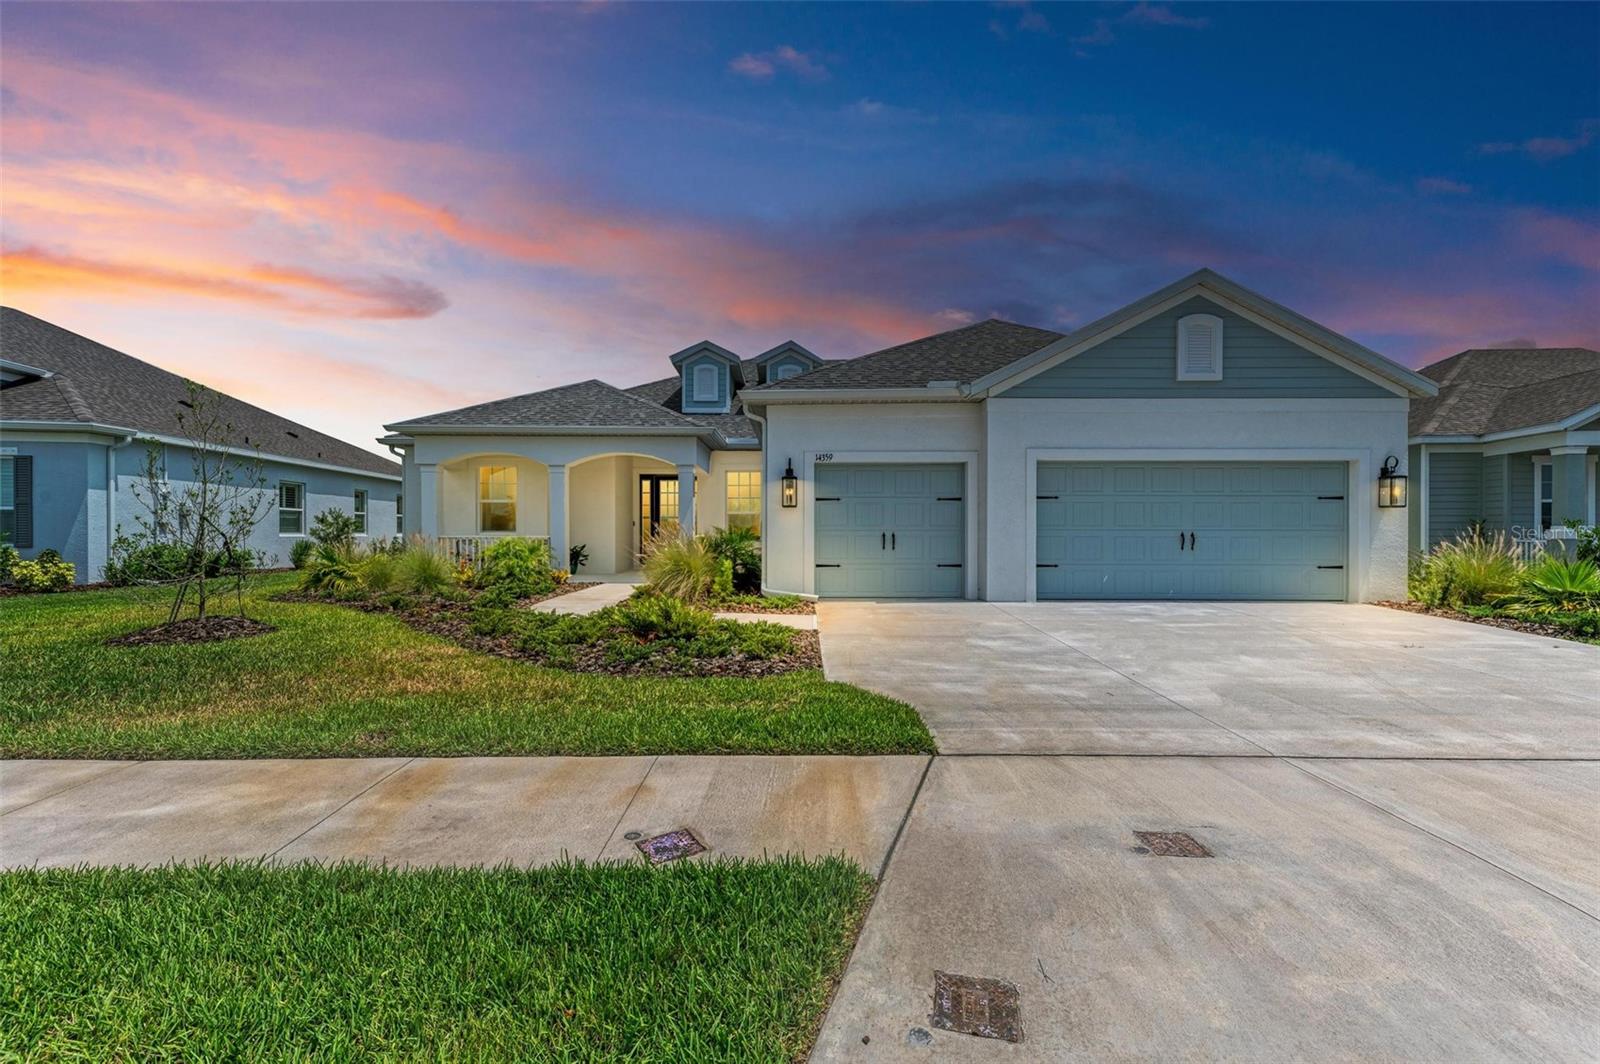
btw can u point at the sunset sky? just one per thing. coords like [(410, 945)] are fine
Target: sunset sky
[(352, 214)]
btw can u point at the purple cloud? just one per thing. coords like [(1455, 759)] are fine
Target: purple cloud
[(1544, 149)]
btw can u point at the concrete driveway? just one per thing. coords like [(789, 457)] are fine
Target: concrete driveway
[(1287, 679), (1398, 811)]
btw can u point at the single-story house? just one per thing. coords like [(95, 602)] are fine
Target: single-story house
[(1202, 442), (1508, 444), (77, 417)]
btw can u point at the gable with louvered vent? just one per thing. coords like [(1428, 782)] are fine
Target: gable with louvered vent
[(1200, 348)]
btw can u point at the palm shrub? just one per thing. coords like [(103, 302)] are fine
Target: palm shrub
[(741, 549), (330, 570), (684, 567), (1470, 570), (1555, 584)]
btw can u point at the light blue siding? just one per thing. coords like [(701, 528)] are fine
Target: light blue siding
[(723, 384), (1192, 530), (1142, 363), (70, 509), (1455, 494)]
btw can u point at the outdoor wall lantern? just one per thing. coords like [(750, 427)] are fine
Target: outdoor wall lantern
[(1391, 484), (791, 486)]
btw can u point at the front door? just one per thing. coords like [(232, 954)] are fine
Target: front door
[(658, 504)]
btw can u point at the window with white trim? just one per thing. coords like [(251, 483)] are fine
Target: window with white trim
[(705, 383), (1200, 347), (744, 499), (1544, 494), (8, 497), (291, 508), (787, 371), (399, 514), (360, 512), (497, 499)]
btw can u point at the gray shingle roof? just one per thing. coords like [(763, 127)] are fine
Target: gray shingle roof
[(587, 404), (96, 384), (1490, 390), (962, 355)]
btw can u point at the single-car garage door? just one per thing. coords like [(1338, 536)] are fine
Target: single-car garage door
[(890, 531), (1181, 530)]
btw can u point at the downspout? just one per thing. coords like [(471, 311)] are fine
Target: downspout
[(111, 493)]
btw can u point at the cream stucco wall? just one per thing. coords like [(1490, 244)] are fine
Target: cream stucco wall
[(458, 495), (879, 432)]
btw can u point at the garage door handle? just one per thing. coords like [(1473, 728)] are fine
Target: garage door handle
[(1180, 540), (1191, 541), (891, 541), (883, 540)]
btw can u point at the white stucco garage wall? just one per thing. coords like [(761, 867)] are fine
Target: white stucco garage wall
[(877, 432), (1019, 433)]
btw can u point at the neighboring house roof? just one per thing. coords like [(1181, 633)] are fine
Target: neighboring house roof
[(959, 355), (91, 384), (587, 404), (1486, 391)]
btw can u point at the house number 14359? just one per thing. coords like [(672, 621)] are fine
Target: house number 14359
[(826, 456)]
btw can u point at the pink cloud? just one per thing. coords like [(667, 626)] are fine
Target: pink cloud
[(1163, 15), (1442, 186), (1552, 236), (764, 66)]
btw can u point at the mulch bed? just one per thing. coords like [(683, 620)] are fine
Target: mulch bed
[(453, 621), (193, 630), (803, 606), (1515, 624)]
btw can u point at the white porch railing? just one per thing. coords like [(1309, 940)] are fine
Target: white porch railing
[(470, 548)]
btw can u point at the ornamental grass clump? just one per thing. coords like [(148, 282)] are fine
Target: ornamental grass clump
[(686, 567), (1470, 570)]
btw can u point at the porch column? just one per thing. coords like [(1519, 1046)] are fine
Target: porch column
[(427, 503), (558, 516), (1570, 499), (686, 498)]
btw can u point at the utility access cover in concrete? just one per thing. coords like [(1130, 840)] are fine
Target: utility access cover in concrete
[(1172, 844), (660, 849), (966, 1004)]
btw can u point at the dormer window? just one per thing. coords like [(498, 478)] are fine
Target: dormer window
[(1199, 353), (704, 387), (783, 373)]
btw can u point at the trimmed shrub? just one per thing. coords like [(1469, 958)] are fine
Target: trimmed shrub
[(741, 549), (9, 557), (515, 568), (47, 572), (334, 528), (1467, 571), (138, 560)]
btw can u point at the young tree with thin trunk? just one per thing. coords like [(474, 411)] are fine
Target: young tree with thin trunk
[(203, 527)]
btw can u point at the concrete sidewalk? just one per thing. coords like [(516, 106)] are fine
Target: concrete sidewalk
[(460, 811)]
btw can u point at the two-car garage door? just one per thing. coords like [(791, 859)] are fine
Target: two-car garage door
[(1106, 530), (1189, 530)]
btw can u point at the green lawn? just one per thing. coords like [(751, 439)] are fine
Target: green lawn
[(724, 960), (333, 681)]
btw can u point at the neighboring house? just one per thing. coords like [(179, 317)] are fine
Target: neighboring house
[(76, 420), (1203, 442), (1509, 443)]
